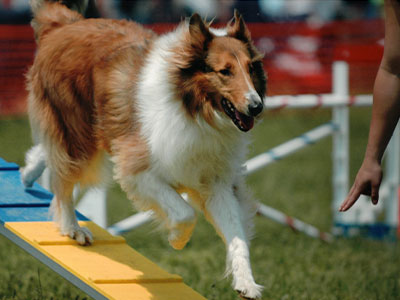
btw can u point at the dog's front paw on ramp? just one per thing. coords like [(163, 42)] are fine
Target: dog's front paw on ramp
[(82, 235)]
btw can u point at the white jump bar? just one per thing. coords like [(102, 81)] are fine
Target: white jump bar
[(316, 101), (288, 147)]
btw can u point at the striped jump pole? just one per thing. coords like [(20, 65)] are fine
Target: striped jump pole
[(295, 224), (316, 101), (131, 222), (289, 147)]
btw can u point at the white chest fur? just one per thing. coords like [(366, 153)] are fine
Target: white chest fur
[(186, 150)]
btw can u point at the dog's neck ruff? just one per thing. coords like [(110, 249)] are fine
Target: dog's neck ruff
[(175, 138)]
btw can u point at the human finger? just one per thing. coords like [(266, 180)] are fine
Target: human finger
[(375, 194), (352, 197)]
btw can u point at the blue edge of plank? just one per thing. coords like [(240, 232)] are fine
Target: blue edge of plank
[(20, 204)]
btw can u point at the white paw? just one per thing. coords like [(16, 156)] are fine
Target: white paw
[(248, 289), (81, 234), (180, 234)]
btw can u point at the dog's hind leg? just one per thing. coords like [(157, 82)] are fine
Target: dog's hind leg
[(62, 210), (148, 191), (35, 160), (223, 210)]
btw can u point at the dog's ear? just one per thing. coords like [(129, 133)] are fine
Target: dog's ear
[(239, 29), (199, 32), (191, 54)]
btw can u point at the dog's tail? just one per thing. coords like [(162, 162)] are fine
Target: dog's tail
[(35, 164), (51, 14)]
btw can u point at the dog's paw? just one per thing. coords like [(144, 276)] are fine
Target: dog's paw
[(248, 289), (81, 234), (180, 234)]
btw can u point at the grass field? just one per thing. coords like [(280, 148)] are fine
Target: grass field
[(290, 265)]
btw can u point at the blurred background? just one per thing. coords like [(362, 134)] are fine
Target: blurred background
[(300, 39)]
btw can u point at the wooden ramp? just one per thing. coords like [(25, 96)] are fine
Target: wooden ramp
[(108, 269)]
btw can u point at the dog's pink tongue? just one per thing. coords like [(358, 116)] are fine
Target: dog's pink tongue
[(246, 122)]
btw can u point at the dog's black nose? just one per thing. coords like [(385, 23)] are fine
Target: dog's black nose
[(255, 107)]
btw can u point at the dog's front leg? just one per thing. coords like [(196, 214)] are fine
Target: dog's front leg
[(224, 212), (149, 191)]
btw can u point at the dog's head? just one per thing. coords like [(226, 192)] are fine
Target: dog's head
[(220, 71)]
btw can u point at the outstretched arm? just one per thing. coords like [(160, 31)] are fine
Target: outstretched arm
[(385, 111)]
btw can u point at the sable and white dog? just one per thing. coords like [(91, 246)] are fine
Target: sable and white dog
[(169, 111)]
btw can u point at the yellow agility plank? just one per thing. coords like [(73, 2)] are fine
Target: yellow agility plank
[(157, 291), (46, 233), (109, 266), (108, 269)]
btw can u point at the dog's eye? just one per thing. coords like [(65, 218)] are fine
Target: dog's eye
[(225, 72)]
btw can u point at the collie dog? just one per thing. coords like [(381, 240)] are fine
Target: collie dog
[(169, 114)]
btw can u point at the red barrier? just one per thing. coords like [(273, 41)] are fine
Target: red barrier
[(17, 47), (298, 57)]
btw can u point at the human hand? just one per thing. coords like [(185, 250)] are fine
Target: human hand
[(367, 182)]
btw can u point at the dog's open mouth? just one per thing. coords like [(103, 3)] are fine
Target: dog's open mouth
[(242, 121)]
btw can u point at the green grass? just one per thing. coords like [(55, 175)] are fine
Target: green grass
[(290, 265)]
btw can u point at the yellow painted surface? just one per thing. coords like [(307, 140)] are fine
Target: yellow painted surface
[(109, 265), (158, 291), (102, 263), (46, 233)]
